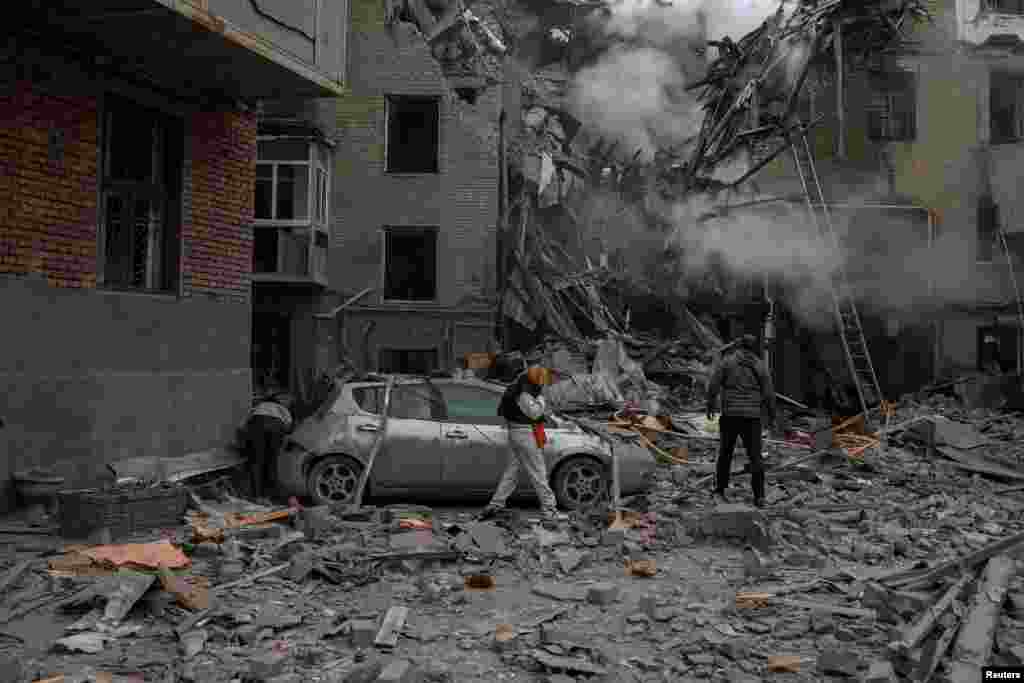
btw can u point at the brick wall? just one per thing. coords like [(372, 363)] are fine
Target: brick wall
[(219, 194), (48, 207)]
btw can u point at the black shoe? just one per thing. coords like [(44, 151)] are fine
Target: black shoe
[(490, 512), (720, 497), (759, 502)]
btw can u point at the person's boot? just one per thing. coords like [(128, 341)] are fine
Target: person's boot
[(719, 498)]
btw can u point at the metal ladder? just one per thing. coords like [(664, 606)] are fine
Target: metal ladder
[(855, 346)]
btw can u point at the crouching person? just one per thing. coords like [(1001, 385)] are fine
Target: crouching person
[(269, 422), (523, 408)]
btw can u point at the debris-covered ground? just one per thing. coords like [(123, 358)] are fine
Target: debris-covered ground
[(865, 563)]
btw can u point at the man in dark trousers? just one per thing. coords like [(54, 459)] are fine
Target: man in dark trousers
[(269, 422), (747, 395)]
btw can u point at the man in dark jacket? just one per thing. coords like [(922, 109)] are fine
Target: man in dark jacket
[(268, 423), (747, 395)]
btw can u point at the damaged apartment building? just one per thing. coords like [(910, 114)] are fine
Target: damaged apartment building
[(388, 259), (919, 154), (127, 182)]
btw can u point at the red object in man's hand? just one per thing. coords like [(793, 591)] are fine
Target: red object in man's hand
[(539, 435)]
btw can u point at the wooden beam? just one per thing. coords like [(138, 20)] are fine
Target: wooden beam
[(916, 632), (377, 444), (974, 644)]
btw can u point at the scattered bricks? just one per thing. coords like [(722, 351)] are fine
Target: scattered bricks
[(613, 537), (739, 522), (363, 632), (504, 638), (301, 565), (264, 667), (398, 671), (881, 671), (602, 593), (316, 522), (838, 662)]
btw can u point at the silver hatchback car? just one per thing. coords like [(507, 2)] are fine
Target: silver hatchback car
[(443, 438)]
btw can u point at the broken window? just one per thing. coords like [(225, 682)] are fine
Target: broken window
[(408, 361), (410, 264), (892, 109), (470, 404), (413, 134), (1006, 6), (141, 198), (1006, 107), (988, 228)]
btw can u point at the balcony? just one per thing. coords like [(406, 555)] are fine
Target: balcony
[(243, 49), (991, 23), (292, 205)]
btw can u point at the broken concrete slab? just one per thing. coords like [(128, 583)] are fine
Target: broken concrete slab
[(488, 537), (265, 666), (603, 593), (881, 671), (316, 522), (733, 520), (569, 559), (841, 662), (398, 671), (561, 591), (362, 633)]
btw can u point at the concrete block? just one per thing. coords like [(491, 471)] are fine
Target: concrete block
[(363, 632), (839, 662), (613, 537), (301, 565), (740, 522), (265, 666), (602, 593), (648, 604), (316, 522), (398, 671), (881, 671)]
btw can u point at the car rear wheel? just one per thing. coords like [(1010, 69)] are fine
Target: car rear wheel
[(334, 480), (580, 483)]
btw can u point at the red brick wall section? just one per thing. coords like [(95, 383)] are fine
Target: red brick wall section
[(48, 209), (219, 195)]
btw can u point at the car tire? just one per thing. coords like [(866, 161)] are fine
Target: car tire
[(334, 480), (580, 482)]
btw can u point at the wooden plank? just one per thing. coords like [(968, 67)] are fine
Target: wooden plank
[(962, 564), (974, 644), (928, 666), (917, 631), (394, 620), (754, 600), (13, 574)]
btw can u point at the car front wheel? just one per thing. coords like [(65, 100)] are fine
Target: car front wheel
[(580, 483), (334, 480)]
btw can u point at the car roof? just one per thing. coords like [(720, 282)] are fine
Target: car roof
[(380, 380)]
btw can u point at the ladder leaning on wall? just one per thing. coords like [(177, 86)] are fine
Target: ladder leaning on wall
[(847, 318)]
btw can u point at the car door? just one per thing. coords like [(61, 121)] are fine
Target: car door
[(410, 457), (474, 438)]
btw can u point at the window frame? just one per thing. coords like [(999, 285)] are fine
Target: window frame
[(986, 255), (1017, 96), (314, 166), (390, 102), (883, 89), (164, 189), (394, 229), (992, 6)]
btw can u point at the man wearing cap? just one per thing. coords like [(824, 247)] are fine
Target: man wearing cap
[(747, 394), (523, 408)]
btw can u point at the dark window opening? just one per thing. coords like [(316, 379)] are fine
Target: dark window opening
[(264, 191), (271, 350), (468, 95), (892, 110), (410, 264), (1006, 6), (141, 205), (988, 226), (997, 348), (413, 134), (265, 250), (408, 361), (1006, 107)]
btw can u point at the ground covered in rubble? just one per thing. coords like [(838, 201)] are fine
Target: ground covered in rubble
[(847, 558)]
